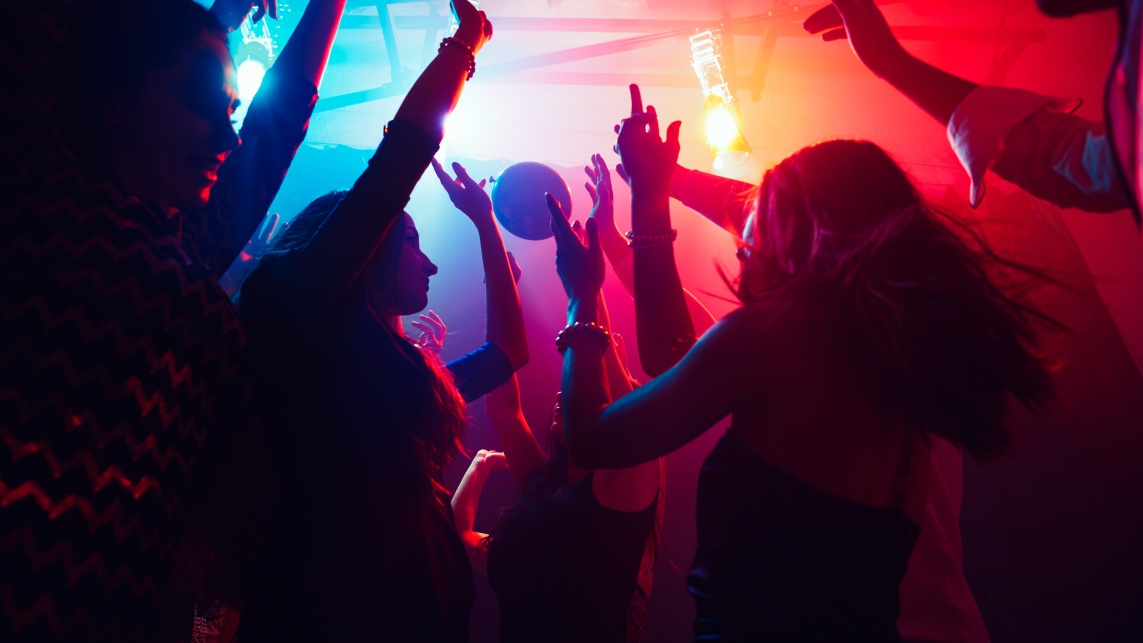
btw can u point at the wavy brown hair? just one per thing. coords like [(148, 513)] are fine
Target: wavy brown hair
[(442, 416), (917, 296)]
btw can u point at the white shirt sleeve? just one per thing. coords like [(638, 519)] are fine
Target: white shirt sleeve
[(979, 128)]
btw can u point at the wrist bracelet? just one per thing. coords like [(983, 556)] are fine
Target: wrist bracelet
[(461, 45), (651, 240), (603, 336)]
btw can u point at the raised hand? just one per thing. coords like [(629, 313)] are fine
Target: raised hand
[(231, 13), (465, 193), (864, 25), (648, 160), (487, 460), (433, 332), (474, 29), (599, 187), (579, 265)]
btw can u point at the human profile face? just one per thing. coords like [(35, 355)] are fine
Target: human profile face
[(413, 270), (171, 137)]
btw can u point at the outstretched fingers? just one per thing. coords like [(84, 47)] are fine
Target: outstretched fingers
[(591, 192), (447, 181), (602, 171), (636, 100), (825, 19), (463, 177), (561, 227)]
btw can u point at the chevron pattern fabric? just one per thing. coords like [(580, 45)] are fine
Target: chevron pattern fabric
[(117, 354)]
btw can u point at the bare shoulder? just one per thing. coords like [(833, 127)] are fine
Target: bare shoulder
[(753, 325)]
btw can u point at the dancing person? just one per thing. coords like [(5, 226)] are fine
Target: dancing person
[(359, 423), (868, 325), (120, 355), (937, 603), (572, 560), (1030, 140)]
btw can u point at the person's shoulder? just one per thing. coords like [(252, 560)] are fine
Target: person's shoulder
[(756, 329), (756, 318)]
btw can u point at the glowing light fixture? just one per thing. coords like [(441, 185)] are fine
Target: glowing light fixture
[(723, 131), (254, 57)]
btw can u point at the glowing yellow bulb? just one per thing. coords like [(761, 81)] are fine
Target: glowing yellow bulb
[(721, 128)]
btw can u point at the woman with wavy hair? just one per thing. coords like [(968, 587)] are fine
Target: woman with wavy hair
[(359, 422), (869, 323)]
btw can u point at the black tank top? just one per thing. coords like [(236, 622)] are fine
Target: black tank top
[(781, 560), (566, 569)]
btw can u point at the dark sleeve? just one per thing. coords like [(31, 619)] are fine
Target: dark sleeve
[(320, 274), (248, 181), (722, 201), (480, 371)]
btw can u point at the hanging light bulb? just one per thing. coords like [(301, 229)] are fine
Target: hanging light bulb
[(723, 129)]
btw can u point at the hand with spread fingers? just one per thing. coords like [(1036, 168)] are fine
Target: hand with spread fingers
[(933, 90), (863, 24), (599, 188), (433, 332), (648, 160), (465, 193), (578, 263)]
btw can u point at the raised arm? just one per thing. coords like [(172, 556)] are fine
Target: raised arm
[(347, 241), (630, 488), (724, 202), (505, 325), (614, 244), (466, 500), (654, 419), (307, 51), (935, 91), (1030, 140), (516, 438), (273, 129), (665, 331)]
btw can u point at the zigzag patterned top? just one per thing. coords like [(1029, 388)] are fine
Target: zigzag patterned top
[(116, 352), (119, 355)]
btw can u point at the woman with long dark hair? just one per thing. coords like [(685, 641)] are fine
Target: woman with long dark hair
[(359, 423), (869, 322)]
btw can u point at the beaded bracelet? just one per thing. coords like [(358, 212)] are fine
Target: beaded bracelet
[(580, 328), (463, 46), (651, 240)]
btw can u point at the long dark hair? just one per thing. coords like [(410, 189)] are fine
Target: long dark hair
[(442, 418), (918, 296)]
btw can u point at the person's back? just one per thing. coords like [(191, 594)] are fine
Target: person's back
[(808, 507), (871, 322)]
